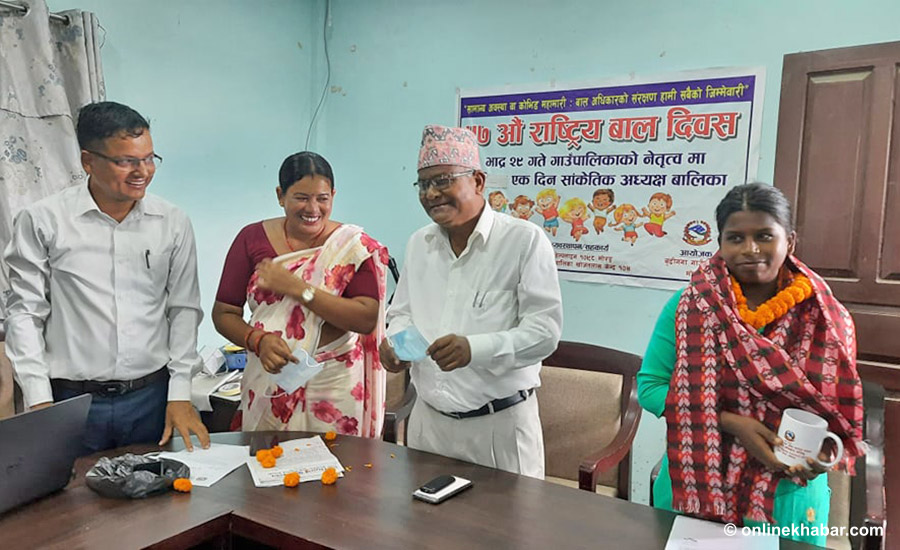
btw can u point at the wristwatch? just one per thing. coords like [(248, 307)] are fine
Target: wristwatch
[(308, 294)]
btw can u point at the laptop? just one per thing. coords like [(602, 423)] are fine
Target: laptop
[(38, 449)]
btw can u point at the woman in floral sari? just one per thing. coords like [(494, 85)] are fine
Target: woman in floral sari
[(754, 333), (312, 284)]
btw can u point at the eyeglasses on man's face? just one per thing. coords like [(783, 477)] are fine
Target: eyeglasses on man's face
[(441, 182), (130, 163)]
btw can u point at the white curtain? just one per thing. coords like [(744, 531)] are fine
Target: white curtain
[(48, 71)]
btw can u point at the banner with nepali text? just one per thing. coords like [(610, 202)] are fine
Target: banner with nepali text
[(623, 175)]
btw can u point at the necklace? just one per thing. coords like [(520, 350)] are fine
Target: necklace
[(799, 290), (312, 243)]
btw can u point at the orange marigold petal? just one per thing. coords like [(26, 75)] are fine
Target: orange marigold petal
[(291, 479), (183, 485), (329, 476), (330, 436)]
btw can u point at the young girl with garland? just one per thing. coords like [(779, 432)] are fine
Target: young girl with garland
[(754, 333)]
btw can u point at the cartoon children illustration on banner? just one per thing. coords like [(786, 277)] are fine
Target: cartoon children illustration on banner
[(659, 209), (547, 203), (497, 200), (626, 216), (522, 207), (575, 212), (601, 205)]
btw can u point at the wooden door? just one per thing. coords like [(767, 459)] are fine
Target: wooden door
[(838, 160)]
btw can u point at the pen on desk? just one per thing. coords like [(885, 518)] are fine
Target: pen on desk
[(147, 258)]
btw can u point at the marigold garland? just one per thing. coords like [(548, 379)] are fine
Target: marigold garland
[(182, 485), (329, 476), (799, 290), (291, 479)]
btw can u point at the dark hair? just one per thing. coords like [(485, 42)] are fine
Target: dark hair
[(99, 121), (299, 165), (608, 192), (756, 197)]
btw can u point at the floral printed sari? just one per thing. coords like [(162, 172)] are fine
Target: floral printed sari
[(347, 396)]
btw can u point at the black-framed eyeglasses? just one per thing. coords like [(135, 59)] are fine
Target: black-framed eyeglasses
[(440, 183), (129, 162)]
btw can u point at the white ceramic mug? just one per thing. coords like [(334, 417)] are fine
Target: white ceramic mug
[(802, 434)]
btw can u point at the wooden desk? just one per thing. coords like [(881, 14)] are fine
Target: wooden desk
[(369, 508)]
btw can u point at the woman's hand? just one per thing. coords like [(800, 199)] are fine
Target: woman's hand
[(276, 278), (755, 437), (389, 359), (814, 468), (274, 353), (811, 470)]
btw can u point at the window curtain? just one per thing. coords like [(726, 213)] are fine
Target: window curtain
[(48, 71)]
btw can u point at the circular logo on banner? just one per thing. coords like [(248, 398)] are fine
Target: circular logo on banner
[(697, 233)]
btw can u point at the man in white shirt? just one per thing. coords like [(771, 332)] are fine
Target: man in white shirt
[(104, 293), (482, 287)]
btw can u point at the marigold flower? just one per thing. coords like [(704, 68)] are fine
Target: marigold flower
[(182, 485), (291, 479), (329, 476), (277, 451), (268, 462), (264, 454), (330, 436)]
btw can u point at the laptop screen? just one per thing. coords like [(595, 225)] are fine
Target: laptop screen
[(38, 449)]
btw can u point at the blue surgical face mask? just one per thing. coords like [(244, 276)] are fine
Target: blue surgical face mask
[(409, 344), (296, 375)]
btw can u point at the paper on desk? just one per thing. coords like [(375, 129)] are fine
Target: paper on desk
[(212, 358), (210, 465), (309, 457), (203, 385), (695, 534)]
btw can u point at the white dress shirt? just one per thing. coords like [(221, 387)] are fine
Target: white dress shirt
[(501, 293), (94, 299)]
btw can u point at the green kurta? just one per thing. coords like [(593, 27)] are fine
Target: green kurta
[(794, 505)]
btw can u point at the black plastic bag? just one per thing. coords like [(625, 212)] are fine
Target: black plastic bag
[(135, 476)]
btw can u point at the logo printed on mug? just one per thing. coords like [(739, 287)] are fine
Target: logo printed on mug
[(803, 435)]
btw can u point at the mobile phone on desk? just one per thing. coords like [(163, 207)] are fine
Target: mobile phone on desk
[(441, 488)]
